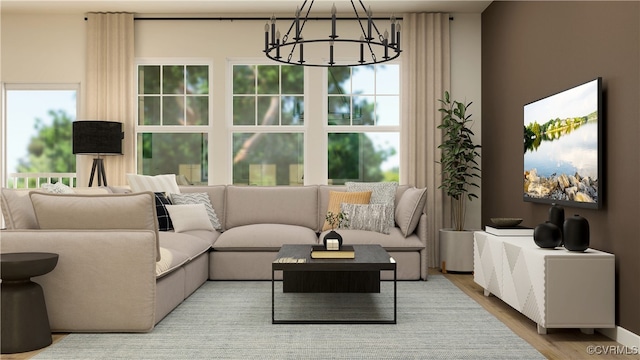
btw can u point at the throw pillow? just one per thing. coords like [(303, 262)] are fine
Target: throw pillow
[(337, 197), (410, 209), (57, 188), (381, 193), (164, 220), (159, 183), (372, 217), (198, 198), (189, 217)]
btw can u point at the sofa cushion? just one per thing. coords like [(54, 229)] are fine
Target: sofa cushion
[(288, 205), (338, 197), (17, 209), (113, 211), (164, 220), (381, 193), (189, 217), (372, 217), (409, 209), (159, 183), (198, 198), (395, 241), (264, 237), (185, 243)]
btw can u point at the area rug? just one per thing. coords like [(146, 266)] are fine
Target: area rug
[(232, 320)]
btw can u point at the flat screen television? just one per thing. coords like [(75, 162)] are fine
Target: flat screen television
[(563, 147)]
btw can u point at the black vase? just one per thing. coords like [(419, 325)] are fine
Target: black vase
[(332, 235), (576, 233), (547, 235), (556, 217)]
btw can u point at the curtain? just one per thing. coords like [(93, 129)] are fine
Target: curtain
[(109, 89), (425, 78)]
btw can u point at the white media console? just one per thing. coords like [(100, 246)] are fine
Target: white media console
[(555, 288)]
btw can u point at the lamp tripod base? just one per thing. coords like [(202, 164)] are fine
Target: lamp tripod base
[(98, 167)]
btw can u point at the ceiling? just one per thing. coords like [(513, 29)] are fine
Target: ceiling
[(204, 7)]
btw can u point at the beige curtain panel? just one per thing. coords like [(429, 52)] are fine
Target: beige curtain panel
[(109, 89), (426, 76)]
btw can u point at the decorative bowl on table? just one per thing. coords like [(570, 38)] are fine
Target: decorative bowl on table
[(506, 221)]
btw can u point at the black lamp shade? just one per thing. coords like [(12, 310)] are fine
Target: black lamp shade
[(97, 137)]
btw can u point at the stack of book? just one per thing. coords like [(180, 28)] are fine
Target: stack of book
[(509, 230), (320, 252)]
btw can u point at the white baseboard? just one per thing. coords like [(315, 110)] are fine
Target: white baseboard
[(623, 336)]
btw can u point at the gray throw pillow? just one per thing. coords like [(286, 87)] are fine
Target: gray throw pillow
[(381, 193), (372, 217), (198, 198)]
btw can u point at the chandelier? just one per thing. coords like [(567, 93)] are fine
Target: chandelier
[(371, 47)]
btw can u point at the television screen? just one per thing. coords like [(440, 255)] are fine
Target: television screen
[(563, 142)]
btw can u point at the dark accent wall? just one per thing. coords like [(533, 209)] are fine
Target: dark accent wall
[(534, 49)]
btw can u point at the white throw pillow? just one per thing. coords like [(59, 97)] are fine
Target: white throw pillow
[(57, 188), (381, 193), (160, 183), (198, 198), (189, 217), (371, 217)]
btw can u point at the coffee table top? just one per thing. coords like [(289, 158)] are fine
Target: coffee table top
[(367, 258)]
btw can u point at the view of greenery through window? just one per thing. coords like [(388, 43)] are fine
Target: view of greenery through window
[(172, 100), (39, 131)]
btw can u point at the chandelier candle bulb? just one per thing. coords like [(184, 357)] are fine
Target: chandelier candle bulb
[(369, 22), (398, 39), (361, 49), (273, 30), (266, 37), (297, 24), (301, 53), (393, 30), (333, 21), (331, 54), (385, 41)]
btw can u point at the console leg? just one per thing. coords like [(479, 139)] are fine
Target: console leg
[(542, 330), (588, 331), (443, 267)]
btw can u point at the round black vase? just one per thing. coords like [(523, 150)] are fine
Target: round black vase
[(547, 235), (556, 217), (332, 235), (576, 233)]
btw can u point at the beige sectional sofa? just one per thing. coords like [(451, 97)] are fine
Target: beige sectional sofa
[(118, 273)]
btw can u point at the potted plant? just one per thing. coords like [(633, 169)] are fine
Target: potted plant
[(336, 220), (460, 170)]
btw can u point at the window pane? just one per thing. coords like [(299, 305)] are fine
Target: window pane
[(244, 78), (174, 153), (149, 110), (173, 110), (363, 79), (173, 79), (197, 79), (363, 110), (388, 110), (268, 110), (363, 157), (339, 110), (268, 79), (292, 80), (244, 110), (197, 110), (388, 79), (292, 110), (39, 131), (149, 79), (338, 81), (268, 158)]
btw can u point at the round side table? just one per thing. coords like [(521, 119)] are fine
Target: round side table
[(25, 323)]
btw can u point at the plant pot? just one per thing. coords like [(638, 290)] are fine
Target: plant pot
[(456, 250), (332, 235)]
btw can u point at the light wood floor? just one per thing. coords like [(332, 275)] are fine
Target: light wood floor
[(560, 344)]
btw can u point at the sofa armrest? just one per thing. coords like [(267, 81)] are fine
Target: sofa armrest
[(104, 280), (421, 231)]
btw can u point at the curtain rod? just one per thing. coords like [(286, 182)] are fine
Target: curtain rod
[(222, 18)]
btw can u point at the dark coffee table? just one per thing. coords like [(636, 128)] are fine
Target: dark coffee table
[(358, 275)]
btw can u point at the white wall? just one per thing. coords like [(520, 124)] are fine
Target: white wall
[(51, 49)]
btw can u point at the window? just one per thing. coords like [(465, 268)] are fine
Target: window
[(363, 123), (38, 133), (174, 109), (268, 124)]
